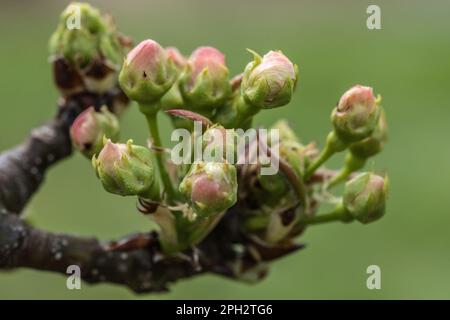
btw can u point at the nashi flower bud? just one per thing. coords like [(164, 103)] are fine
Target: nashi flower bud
[(285, 132), (147, 73), (126, 170), (356, 115), (89, 129), (178, 59), (84, 34), (365, 197), (219, 144), (269, 82), (86, 48), (204, 82), (373, 144), (210, 187)]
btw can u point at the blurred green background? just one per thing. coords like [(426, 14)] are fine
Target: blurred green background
[(408, 62)]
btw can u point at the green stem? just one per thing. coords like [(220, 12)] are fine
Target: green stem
[(326, 153), (341, 176), (352, 164), (256, 222), (332, 146), (154, 133), (236, 114), (246, 111), (338, 214)]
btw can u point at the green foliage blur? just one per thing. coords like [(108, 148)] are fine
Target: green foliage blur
[(407, 62)]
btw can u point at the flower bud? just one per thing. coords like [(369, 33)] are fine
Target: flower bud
[(204, 82), (285, 132), (373, 144), (178, 59), (90, 47), (365, 197), (356, 114), (269, 82), (219, 144), (147, 73), (92, 36), (90, 127), (90, 17), (127, 169), (173, 98), (210, 187)]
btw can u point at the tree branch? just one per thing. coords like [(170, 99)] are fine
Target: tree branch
[(22, 169), (142, 267), (24, 246)]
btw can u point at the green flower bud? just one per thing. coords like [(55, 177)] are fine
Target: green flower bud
[(90, 17), (373, 144), (365, 197), (126, 170), (210, 187), (290, 149), (91, 48), (78, 46), (92, 37), (204, 82), (269, 82), (285, 131), (147, 73), (356, 115), (89, 129)]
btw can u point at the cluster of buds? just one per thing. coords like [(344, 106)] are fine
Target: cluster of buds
[(187, 201), (86, 51), (358, 124), (279, 205)]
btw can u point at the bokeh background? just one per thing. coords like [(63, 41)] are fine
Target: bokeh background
[(408, 62)]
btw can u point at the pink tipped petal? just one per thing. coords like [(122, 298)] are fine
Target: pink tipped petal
[(84, 128), (206, 57), (356, 95), (146, 56), (174, 54), (205, 190), (110, 154)]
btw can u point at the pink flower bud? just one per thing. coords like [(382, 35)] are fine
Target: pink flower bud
[(205, 80), (176, 56), (111, 155), (356, 115), (269, 81), (207, 57), (146, 57), (210, 187), (90, 127), (358, 94), (147, 73)]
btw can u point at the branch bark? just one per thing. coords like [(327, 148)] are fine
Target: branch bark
[(142, 268)]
